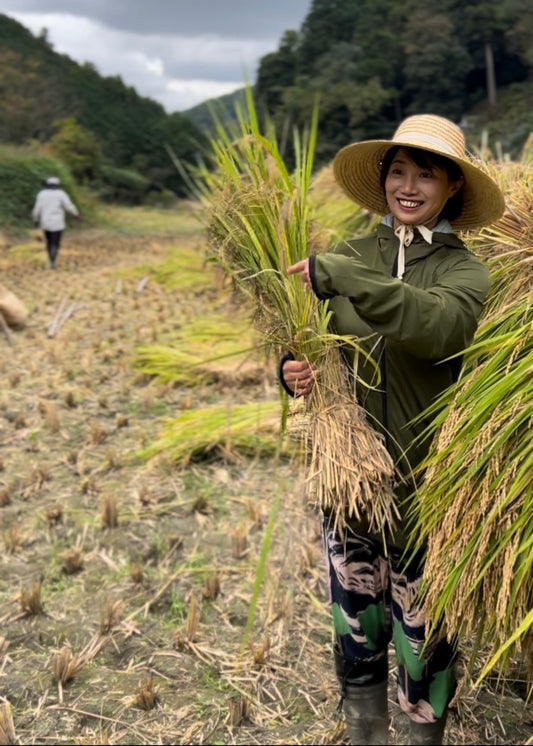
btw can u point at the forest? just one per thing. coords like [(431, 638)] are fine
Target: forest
[(373, 62), (368, 64), (105, 132)]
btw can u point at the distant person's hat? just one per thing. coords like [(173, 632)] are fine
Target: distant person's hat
[(357, 169), (53, 181)]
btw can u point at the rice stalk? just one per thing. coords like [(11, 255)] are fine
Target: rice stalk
[(7, 726), (475, 507), (197, 366), (259, 222), (147, 694), (110, 614), (337, 216), (65, 665), (30, 600)]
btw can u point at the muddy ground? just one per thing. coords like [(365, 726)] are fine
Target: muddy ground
[(126, 584)]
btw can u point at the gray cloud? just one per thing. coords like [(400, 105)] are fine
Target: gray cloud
[(239, 19), (179, 52)]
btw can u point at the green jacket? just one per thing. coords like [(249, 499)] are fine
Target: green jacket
[(409, 326)]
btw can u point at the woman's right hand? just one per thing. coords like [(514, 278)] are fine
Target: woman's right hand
[(299, 375)]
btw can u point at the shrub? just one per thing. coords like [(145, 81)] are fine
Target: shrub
[(122, 185), (23, 173)]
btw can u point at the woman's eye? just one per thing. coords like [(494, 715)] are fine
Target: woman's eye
[(426, 174)]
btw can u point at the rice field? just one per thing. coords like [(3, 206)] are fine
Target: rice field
[(151, 596)]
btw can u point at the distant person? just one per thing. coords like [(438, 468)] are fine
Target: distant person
[(48, 213)]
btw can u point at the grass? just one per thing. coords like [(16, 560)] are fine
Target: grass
[(152, 221)]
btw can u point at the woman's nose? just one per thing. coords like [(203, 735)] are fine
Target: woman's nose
[(408, 184)]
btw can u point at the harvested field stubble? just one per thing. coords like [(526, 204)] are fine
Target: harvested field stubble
[(136, 577)]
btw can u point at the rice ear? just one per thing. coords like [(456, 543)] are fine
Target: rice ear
[(475, 506)]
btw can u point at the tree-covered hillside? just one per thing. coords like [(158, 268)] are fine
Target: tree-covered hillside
[(44, 93), (372, 62)]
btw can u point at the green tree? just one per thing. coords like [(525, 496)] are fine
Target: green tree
[(77, 147), (28, 100), (327, 23), (277, 71), (435, 73), (520, 33), (481, 26)]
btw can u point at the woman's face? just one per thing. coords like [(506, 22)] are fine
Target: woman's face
[(416, 195)]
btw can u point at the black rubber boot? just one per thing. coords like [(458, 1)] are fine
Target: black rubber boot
[(365, 707), (427, 733), (366, 713)]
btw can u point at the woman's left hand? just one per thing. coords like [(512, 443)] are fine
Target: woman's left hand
[(301, 268)]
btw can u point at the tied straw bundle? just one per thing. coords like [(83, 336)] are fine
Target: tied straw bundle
[(259, 222)]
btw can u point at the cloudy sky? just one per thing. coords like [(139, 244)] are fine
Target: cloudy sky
[(178, 52)]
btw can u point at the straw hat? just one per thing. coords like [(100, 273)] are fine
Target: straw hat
[(357, 169)]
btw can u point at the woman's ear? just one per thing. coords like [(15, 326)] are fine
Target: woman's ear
[(456, 185)]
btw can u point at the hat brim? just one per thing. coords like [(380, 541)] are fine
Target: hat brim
[(357, 170)]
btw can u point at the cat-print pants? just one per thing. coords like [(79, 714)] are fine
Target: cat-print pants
[(373, 602)]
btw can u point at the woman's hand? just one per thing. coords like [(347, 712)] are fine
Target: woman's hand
[(299, 375), (301, 268)]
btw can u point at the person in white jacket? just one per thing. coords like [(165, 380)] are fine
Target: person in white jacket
[(51, 205)]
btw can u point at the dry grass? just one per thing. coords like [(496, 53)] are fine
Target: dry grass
[(211, 687), (7, 726)]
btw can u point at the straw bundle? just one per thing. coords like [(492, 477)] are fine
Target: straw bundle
[(211, 432), (259, 222), (12, 309), (476, 504)]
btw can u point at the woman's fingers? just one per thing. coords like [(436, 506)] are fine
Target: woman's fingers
[(299, 375), (301, 268), (295, 269)]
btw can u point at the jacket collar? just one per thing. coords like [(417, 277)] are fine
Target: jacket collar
[(419, 248)]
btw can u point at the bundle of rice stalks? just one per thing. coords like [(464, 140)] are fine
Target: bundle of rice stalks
[(206, 350), (507, 245), (219, 431), (259, 222), (476, 505)]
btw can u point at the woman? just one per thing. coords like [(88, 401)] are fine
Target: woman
[(412, 293), (48, 213)]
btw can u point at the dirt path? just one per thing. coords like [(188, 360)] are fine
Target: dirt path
[(132, 581)]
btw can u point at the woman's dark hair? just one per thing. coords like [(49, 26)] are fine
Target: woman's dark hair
[(424, 159)]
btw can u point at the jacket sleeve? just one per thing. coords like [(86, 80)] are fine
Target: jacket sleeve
[(430, 323), (68, 204), (36, 212)]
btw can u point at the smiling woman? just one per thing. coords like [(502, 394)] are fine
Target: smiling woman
[(411, 294), (419, 190)]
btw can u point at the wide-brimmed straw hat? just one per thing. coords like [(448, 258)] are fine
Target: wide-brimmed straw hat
[(357, 169)]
